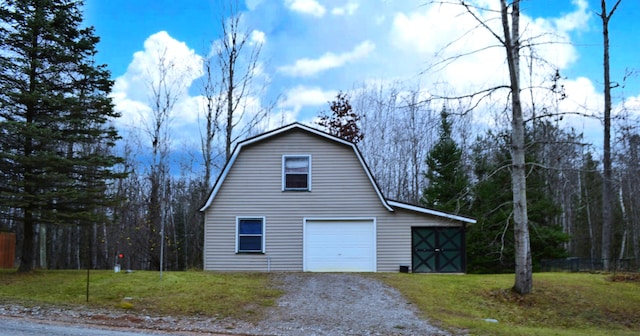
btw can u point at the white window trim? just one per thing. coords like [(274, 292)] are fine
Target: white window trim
[(284, 157), (264, 235)]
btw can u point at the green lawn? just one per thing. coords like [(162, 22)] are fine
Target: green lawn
[(562, 303), (180, 293)]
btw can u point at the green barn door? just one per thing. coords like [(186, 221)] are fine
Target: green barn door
[(438, 250)]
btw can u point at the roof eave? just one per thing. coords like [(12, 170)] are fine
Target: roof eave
[(431, 212)]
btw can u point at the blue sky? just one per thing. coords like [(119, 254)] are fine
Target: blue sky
[(313, 48)]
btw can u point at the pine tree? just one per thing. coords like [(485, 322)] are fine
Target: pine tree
[(448, 183), (55, 111), (490, 242)]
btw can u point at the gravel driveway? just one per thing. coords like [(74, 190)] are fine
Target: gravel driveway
[(313, 304), (341, 304)]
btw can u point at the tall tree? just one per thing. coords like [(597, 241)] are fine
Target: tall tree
[(448, 183), (512, 44), (212, 110), (237, 54), (607, 189), (510, 41), (342, 121), (54, 113), (165, 83)]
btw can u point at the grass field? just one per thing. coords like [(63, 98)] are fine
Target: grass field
[(178, 293), (561, 304)]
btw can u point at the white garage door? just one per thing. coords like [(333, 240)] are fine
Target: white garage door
[(339, 246)]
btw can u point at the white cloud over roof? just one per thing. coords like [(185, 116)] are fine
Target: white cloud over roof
[(309, 67), (307, 96)]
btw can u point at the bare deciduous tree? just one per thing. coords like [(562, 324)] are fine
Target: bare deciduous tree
[(237, 54), (524, 269), (509, 39), (166, 83), (607, 190), (213, 96), (397, 124)]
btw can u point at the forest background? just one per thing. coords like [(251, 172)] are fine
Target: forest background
[(412, 137)]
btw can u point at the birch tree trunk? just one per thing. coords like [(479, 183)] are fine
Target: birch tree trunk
[(524, 279), (43, 245)]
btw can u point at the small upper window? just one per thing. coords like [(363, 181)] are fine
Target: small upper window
[(296, 172)]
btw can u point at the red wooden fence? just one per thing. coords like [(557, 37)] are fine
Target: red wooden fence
[(7, 249)]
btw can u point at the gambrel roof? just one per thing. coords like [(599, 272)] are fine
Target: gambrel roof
[(388, 204)]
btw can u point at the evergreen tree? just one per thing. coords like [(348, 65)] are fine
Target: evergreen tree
[(490, 239), (55, 111), (490, 244), (448, 183)]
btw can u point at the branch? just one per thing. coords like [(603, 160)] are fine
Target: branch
[(554, 114), (459, 2), (449, 60), (482, 23), (613, 9), (485, 93)]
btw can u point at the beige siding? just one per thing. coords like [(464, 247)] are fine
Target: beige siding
[(394, 236), (340, 189)]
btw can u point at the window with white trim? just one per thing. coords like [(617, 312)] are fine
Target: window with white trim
[(250, 234), (296, 172)]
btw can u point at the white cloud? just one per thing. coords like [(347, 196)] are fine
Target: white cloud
[(576, 20), (581, 97), (468, 57), (301, 96), (132, 92), (632, 105), (309, 7), (257, 37), (308, 67), (582, 100), (348, 9), (584, 106), (429, 30)]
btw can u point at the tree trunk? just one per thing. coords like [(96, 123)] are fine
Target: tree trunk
[(230, 102), (607, 198), (26, 258), (606, 160), (78, 247), (42, 237), (524, 279), (105, 245), (592, 240), (625, 223)]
